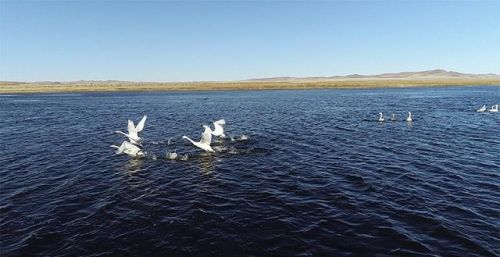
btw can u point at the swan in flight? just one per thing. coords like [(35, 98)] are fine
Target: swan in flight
[(133, 131), (482, 109), (409, 119), (129, 149), (381, 118), (393, 118), (494, 108), (206, 139), (219, 129)]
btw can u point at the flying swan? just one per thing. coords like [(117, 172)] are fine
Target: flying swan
[(218, 128), (206, 139), (133, 131), (129, 149), (494, 108)]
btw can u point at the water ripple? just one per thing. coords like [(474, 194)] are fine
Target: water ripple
[(318, 175)]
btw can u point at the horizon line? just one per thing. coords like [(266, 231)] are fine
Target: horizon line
[(256, 79)]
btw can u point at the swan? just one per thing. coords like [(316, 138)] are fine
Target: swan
[(133, 131), (393, 118), (494, 108), (206, 139), (129, 149), (172, 155), (482, 109), (409, 119), (381, 118), (218, 128)]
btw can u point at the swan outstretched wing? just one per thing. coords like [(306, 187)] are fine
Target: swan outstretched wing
[(130, 126), (140, 126), (206, 136), (220, 122), (218, 128), (122, 148)]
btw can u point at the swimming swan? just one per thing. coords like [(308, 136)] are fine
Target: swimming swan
[(409, 119), (482, 109), (219, 129), (129, 149), (381, 118), (393, 118), (171, 155), (133, 131), (206, 139)]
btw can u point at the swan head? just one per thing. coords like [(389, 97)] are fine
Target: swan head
[(184, 137)]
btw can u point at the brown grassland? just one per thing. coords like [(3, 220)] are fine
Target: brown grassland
[(97, 86)]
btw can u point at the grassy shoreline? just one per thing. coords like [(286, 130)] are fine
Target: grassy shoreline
[(75, 87)]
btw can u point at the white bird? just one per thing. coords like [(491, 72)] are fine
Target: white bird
[(133, 131), (172, 156), (129, 149), (205, 141), (409, 119), (482, 109), (393, 118), (381, 118), (494, 108), (218, 128)]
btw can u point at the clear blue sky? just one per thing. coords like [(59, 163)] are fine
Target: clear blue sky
[(230, 40)]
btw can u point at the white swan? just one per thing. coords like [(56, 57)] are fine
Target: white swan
[(494, 108), (393, 118), (409, 119), (381, 118), (172, 155), (482, 109), (219, 129), (129, 149), (133, 131), (205, 141)]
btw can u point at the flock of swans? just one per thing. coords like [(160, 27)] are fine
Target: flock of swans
[(381, 117), (494, 108), (134, 147)]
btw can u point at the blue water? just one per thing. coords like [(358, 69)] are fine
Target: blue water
[(318, 175)]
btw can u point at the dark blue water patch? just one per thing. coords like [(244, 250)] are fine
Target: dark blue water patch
[(318, 176)]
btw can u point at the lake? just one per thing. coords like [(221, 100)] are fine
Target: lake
[(317, 176)]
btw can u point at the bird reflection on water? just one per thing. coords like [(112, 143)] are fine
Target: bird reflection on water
[(134, 165), (207, 162)]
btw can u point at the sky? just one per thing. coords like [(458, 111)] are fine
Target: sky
[(232, 40)]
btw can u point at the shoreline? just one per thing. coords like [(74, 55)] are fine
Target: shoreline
[(91, 87)]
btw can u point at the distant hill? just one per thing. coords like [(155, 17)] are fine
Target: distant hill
[(401, 79), (429, 74), (419, 75)]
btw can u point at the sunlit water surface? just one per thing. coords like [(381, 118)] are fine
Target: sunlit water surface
[(318, 176)]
